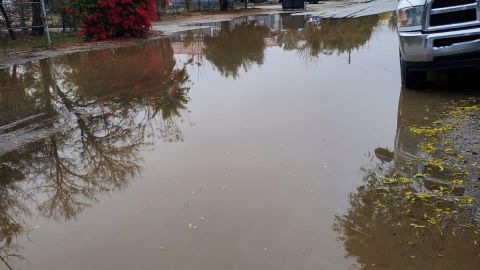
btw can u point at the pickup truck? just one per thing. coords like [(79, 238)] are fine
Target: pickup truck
[(437, 34)]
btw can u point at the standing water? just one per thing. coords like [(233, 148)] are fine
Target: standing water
[(254, 143)]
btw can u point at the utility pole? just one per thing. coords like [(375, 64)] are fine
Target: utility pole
[(45, 23)]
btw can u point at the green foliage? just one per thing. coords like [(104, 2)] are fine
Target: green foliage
[(28, 42)]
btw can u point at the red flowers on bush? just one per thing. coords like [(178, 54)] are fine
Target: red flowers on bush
[(103, 19)]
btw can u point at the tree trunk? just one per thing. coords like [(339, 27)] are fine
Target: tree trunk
[(37, 22), (223, 4), (7, 21)]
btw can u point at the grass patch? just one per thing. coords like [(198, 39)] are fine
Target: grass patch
[(27, 42)]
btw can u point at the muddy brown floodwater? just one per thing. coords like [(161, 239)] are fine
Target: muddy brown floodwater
[(247, 144)]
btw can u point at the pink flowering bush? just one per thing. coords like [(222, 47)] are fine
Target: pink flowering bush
[(104, 19)]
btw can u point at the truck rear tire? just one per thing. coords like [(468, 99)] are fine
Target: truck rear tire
[(412, 79)]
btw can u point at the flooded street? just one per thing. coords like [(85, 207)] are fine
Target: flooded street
[(254, 143)]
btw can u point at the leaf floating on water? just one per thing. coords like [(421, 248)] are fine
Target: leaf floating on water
[(423, 196), (412, 257), (190, 225), (406, 180), (162, 248), (430, 131), (202, 218), (379, 204), (428, 147), (389, 180)]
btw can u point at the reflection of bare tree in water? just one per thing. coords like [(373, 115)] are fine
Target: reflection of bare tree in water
[(11, 80), (100, 125), (12, 213)]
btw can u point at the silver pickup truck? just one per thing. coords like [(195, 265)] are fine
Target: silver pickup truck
[(437, 34)]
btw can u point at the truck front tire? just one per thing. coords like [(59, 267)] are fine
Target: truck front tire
[(412, 78)]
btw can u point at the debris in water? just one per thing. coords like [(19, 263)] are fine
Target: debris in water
[(360, 232), (384, 154)]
